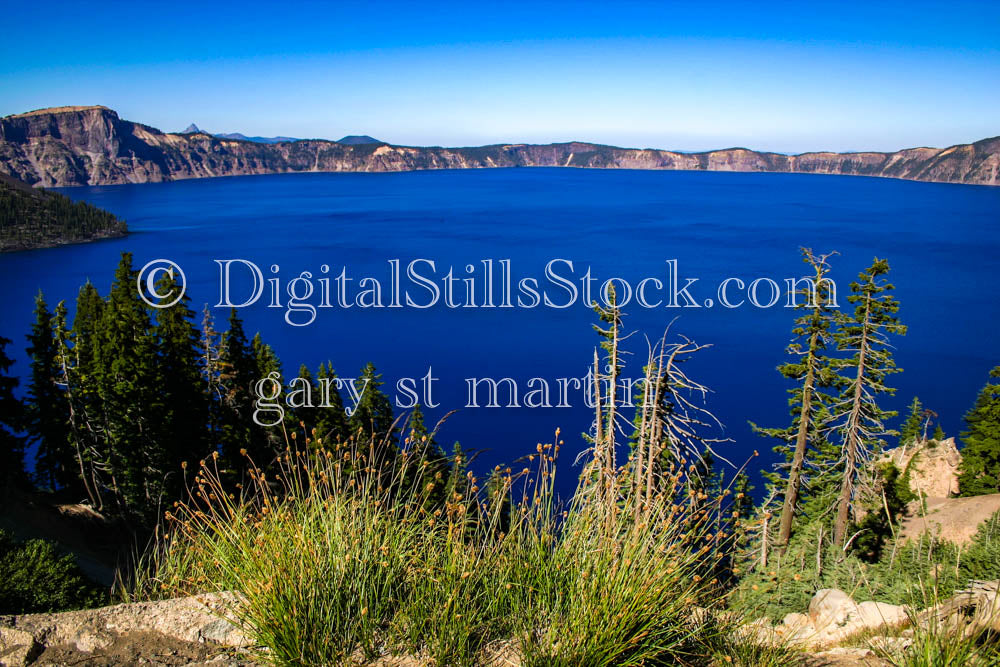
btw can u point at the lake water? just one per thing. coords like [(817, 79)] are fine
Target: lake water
[(942, 242)]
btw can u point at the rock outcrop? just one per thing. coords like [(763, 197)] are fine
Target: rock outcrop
[(93, 146), (931, 468), (180, 631), (930, 465)]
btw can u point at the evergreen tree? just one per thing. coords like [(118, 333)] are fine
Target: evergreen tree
[(811, 370), (265, 441), (47, 410), (331, 420), (888, 506), (428, 466), (373, 418), (212, 372), (82, 375), (911, 429), (306, 412), (861, 420), (939, 433), (458, 478), (182, 419), (417, 428), (980, 468), (703, 480), (606, 392), (238, 373), (130, 397), (74, 458), (11, 422)]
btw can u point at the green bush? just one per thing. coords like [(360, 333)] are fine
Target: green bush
[(917, 572), (982, 559), (35, 577)]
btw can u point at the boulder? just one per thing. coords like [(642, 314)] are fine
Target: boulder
[(833, 611), (835, 615), (795, 621), (877, 614), (798, 630)]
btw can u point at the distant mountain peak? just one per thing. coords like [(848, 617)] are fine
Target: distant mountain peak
[(193, 129), (355, 139)]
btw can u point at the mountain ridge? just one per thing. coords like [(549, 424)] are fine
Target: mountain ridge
[(92, 145), (359, 139), (255, 139)]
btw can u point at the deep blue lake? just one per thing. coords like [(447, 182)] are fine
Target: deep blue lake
[(942, 241)]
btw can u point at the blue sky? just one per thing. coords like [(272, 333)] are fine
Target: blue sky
[(690, 76)]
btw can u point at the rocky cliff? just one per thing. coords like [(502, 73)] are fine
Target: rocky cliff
[(93, 146), (930, 466)]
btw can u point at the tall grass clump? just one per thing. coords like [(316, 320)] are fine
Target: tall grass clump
[(359, 550)]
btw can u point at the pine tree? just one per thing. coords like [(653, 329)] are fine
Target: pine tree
[(130, 397), (939, 433), (812, 371), (266, 441), (47, 409), (11, 423), (910, 432), (427, 466), (606, 394), (650, 421), (860, 419), (417, 428), (876, 528), (212, 373), (306, 413), (331, 420), (82, 376), (373, 418), (457, 484), (980, 468), (238, 373), (76, 459), (182, 417)]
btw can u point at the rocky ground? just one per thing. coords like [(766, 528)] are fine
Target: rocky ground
[(197, 631), (184, 631)]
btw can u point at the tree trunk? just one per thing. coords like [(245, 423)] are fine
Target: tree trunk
[(801, 440), (852, 439)]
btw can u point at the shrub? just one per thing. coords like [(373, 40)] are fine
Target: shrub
[(982, 559), (35, 577)]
